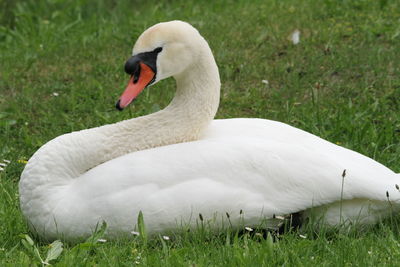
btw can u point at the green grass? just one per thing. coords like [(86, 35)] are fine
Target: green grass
[(340, 82)]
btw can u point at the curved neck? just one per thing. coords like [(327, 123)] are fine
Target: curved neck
[(193, 107)]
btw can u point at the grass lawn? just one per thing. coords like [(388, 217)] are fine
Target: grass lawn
[(61, 70)]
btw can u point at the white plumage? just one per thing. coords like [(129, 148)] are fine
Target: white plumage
[(178, 162)]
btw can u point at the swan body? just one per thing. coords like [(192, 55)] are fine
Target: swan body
[(178, 163)]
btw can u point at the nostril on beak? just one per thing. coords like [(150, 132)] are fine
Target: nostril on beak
[(135, 78)]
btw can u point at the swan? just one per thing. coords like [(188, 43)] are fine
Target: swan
[(177, 163)]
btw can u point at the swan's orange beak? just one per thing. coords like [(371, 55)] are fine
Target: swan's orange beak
[(135, 86)]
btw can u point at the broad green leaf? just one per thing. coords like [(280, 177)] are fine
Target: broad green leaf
[(270, 243), (55, 251), (228, 238), (26, 245), (97, 234), (142, 227), (28, 239), (36, 253), (164, 246)]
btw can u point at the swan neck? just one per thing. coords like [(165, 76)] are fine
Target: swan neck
[(193, 107)]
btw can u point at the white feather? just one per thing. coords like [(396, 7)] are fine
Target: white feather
[(295, 37)]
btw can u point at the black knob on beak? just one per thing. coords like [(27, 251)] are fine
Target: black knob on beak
[(132, 67)]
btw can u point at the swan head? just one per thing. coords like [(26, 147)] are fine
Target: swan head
[(164, 50)]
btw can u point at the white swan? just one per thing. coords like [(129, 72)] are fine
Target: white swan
[(179, 162)]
